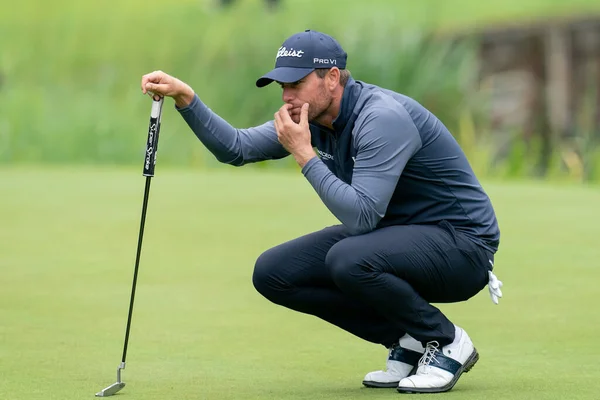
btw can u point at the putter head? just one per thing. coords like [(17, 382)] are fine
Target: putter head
[(112, 389)]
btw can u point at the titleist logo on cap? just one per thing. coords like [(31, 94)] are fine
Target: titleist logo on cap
[(283, 52)]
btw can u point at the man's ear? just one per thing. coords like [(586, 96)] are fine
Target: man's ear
[(333, 77)]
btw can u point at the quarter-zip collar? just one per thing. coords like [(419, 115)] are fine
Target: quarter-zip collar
[(348, 103)]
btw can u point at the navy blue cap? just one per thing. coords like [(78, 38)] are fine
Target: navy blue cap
[(301, 54)]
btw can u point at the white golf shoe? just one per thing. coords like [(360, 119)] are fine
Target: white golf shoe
[(402, 361), (439, 368)]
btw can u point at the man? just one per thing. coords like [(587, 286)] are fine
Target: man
[(416, 226)]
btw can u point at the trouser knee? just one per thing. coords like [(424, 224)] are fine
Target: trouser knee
[(264, 276), (345, 267)]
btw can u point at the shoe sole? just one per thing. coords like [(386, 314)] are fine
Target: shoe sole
[(380, 385), (386, 385), (473, 358)]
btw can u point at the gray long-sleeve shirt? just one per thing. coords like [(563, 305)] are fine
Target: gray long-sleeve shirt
[(387, 161)]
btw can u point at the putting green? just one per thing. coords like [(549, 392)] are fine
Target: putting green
[(200, 330)]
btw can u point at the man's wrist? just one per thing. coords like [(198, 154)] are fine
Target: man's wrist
[(184, 99), (303, 157)]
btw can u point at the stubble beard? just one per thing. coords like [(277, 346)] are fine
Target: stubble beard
[(318, 109)]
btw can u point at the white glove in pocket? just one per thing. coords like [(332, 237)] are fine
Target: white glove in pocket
[(494, 286)]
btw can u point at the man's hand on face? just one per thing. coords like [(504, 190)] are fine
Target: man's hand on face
[(295, 137)]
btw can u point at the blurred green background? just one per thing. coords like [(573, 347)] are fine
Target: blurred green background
[(70, 72)]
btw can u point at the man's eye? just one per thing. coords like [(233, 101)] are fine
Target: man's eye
[(292, 85)]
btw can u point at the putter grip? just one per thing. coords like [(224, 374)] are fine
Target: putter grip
[(152, 141)]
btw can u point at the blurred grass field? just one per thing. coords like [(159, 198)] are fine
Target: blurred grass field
[(70, 71), (200, 331)]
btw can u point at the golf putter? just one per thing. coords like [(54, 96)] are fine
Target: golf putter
[(149, 163)]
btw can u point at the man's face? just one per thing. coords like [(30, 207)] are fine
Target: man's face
[(311, 89)]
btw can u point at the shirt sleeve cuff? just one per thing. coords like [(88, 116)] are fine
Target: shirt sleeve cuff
[(308, 166)]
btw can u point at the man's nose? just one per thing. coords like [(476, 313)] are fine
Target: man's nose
[(287, 95)]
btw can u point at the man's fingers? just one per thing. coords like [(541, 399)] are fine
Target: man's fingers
[(152, 77), (277, 120), (155, 76), (145, 79), (284, 113), (304, 114), (157, 88), (151, 87), (144, 82)]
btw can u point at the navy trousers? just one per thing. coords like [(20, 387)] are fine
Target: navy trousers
[(379, 285)]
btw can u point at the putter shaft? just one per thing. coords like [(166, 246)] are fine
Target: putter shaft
[(149, 163)]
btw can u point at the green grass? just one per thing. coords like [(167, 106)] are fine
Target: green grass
[(200, 331)]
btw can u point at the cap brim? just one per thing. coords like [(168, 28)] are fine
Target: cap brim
[(283, 74)]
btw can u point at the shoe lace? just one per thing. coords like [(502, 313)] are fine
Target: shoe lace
[(429, 356)]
